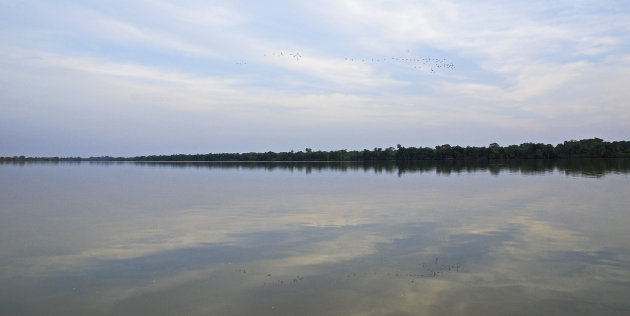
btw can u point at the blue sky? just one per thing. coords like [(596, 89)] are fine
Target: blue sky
[(135, 77)]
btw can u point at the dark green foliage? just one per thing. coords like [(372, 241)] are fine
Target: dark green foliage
[(585, 148), (594, 148)]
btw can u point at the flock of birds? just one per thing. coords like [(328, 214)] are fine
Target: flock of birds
[(295, 56), (427, 64)]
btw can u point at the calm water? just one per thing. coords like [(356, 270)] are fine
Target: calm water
[(315, 239)]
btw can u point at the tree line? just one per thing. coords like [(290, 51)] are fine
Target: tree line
[(585, 148)]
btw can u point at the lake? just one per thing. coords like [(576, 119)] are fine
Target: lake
[(315, 238)]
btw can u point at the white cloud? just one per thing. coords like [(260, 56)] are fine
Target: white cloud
[(517, 64)]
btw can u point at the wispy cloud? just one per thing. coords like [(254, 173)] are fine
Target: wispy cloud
[(516, 64)]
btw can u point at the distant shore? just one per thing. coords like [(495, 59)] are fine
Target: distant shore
[(585, 148)]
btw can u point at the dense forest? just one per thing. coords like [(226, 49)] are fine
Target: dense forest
[(585, 148)]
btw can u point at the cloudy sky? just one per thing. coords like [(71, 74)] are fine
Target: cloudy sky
[(137, 77)]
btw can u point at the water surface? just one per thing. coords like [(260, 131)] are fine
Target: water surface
[(315, 239)]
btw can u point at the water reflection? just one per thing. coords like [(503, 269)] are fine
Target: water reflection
[(313, 239), (588, 167)]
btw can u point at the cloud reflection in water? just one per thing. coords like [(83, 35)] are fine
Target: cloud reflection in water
[(128, 239)]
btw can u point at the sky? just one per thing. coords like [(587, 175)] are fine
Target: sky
[(139, 77)]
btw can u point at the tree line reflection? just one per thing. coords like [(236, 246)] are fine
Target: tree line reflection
[(584, 167)]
